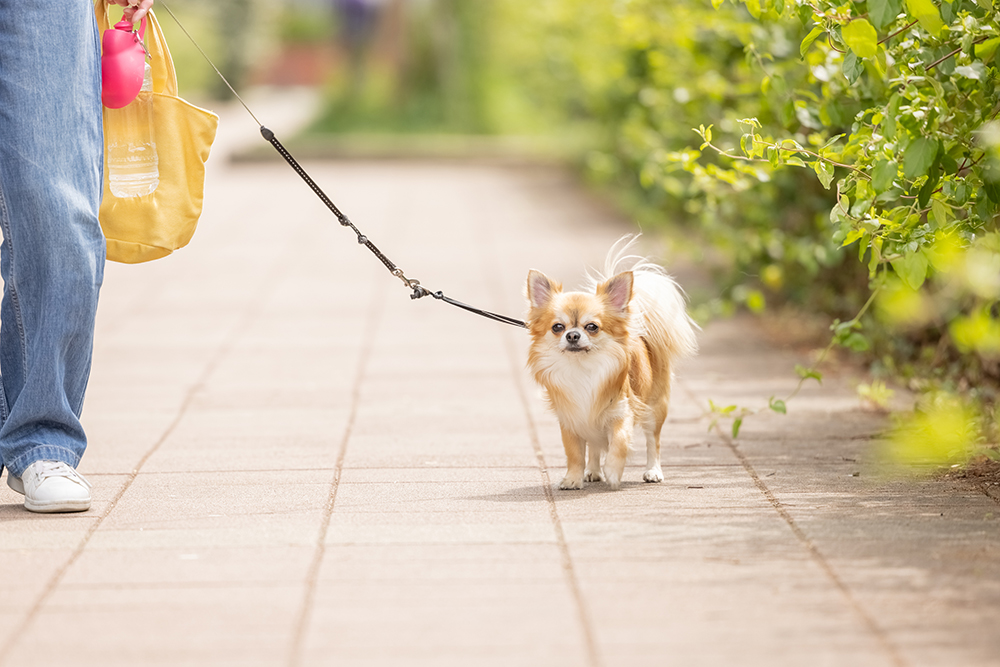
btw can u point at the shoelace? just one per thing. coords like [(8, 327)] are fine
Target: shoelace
[(46, 469)]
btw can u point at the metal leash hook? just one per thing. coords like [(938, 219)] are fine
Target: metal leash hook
[(419, 291)]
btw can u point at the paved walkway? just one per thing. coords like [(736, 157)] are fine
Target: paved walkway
[(294, 464)]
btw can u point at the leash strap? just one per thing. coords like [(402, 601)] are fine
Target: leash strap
[(418, 290)]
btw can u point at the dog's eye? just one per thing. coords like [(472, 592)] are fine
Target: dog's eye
[(558, 328), (591, 328)]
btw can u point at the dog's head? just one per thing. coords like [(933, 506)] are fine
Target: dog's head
[(578, 323)]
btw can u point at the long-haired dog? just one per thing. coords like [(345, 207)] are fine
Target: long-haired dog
[(605, 358)]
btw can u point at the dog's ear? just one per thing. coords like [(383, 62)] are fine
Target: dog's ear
[(617, 290), (540, 289)]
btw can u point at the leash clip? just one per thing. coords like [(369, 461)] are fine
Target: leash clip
[(419, 291)]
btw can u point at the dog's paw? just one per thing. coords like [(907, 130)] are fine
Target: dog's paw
[(569, 483), (614, 481), (653, 475), (594, 476)]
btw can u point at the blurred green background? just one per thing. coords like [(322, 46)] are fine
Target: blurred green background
[(837, 161)]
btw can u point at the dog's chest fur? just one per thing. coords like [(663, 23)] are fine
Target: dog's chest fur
[(587, 394)]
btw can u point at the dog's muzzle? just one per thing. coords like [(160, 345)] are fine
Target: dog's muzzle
[(575, 341)]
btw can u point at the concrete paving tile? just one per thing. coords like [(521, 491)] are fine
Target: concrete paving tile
[(27, 573), (447, 530), (528, 475), (12, 618), (467, 495), (237, 439), (218, 626), (211, 532), (375, 445), (184, 565), (23, 530), (446, 563), (444, 656), (715, 487), (517, 621), (159, 499), (758, 618), (118, 441)]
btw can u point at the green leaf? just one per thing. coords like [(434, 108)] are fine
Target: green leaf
[(939, 212), (853, 67), (933, 178), (756, 302), (927, 14), (975, 71), (892, 110), (919, 157), (883, 12), (777, 405), (861, 37), (810, 38), (753, 6), (883, 175), (808, 373), (856, 342), (824, 170), (736, 427), (992, 191), (987, 49), (773, 157), (852, 236), (911, 269)]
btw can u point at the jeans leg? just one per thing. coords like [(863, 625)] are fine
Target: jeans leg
[(52, 257)]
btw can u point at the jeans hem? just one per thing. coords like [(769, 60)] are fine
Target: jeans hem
[(41, 453)]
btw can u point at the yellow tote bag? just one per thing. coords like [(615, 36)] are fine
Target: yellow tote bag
[(143, 228)]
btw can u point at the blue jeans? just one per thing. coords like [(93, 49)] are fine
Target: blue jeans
[(52, 257)]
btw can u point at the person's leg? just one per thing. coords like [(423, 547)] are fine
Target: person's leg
[(52, 257)]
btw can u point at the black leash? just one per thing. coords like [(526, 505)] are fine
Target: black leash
[(418, 290)]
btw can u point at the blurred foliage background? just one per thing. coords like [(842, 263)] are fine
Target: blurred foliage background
[(838, 157)]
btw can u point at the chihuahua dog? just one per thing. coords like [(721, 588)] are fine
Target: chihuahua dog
[(605, 359)]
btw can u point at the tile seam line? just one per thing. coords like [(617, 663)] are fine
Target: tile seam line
[(491, 277), (312, 576), (593, 656), (56, 579), (810, 547)]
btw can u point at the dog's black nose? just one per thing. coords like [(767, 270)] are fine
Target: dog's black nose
[(573, 337)]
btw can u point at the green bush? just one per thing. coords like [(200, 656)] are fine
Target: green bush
[(848, 158)]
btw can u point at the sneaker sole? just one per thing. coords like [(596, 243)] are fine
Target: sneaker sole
[(56, 507)]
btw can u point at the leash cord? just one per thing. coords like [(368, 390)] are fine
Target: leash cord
[(418, 290)]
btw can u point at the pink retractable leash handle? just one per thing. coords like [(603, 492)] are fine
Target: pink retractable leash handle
[(122, 64)]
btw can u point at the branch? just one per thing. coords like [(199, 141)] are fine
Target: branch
[(903, 29), (958, 50), (789, 150)]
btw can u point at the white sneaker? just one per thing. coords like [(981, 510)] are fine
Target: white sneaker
[(51, 486)]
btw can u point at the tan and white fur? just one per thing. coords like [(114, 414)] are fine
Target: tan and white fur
[(605, 359)]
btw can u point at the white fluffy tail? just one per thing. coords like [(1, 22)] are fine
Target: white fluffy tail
[(658, 304)]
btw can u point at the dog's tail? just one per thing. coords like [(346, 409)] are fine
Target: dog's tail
[(658, 304)]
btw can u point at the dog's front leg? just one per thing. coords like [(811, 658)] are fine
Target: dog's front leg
[(654, 473), (574, 447), (614, 463), (594, 473)]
